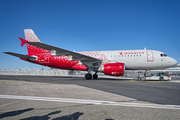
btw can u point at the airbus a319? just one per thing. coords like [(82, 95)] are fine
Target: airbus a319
[(113, 63)]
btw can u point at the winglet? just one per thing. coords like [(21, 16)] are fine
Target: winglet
[(23, 41)]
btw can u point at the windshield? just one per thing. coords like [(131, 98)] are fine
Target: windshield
[(163, 55)]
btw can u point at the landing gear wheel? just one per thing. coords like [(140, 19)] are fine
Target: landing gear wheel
[(95, 76), (139, 78), (88, 76)]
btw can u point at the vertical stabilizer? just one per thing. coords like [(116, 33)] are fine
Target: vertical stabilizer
[(31, 36)]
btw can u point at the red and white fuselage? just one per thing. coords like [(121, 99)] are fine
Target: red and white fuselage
[(109, 62)]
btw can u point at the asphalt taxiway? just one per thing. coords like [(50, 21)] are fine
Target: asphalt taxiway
[(67, 98)]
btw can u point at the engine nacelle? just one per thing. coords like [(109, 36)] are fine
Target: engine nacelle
[(113, 69)]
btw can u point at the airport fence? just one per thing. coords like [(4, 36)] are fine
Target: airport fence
[(59, 72), (44, 72), (54, 72)]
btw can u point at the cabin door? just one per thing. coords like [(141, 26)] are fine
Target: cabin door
[(150, 56)]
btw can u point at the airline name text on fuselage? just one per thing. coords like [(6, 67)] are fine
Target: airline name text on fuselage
[(128, 53)]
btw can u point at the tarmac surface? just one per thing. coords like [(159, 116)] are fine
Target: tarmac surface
[(74, 98)]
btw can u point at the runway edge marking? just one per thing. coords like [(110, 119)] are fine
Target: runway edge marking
[(95, 102)]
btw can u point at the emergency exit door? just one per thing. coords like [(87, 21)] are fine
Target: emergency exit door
[(150, 56)]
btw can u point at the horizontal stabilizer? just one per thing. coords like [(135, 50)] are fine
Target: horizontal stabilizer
[(21, 56), (23, 41)]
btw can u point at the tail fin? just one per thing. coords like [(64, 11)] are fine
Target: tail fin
[(31, 36)]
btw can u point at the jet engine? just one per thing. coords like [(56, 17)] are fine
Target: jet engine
[(113, 69)]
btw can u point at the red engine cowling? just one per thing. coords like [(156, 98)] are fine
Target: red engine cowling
[(114, 69)]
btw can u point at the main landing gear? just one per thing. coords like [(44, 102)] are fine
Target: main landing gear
[(88, 76), (95, 76)]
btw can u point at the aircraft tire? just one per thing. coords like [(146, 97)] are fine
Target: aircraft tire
[(95, 76), (88, 76)]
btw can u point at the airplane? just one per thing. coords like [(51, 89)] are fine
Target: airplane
[(113, 63)]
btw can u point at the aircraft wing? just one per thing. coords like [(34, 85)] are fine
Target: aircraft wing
[(20, 55), (60, 51)]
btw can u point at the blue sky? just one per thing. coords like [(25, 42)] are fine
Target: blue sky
[(89, 25)]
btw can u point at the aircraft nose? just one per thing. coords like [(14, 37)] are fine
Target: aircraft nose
[(174, 62)]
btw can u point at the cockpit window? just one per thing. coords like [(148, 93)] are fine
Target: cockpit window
[(163, 55)]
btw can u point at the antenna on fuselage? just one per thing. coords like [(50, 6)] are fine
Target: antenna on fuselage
[(144, 48)]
